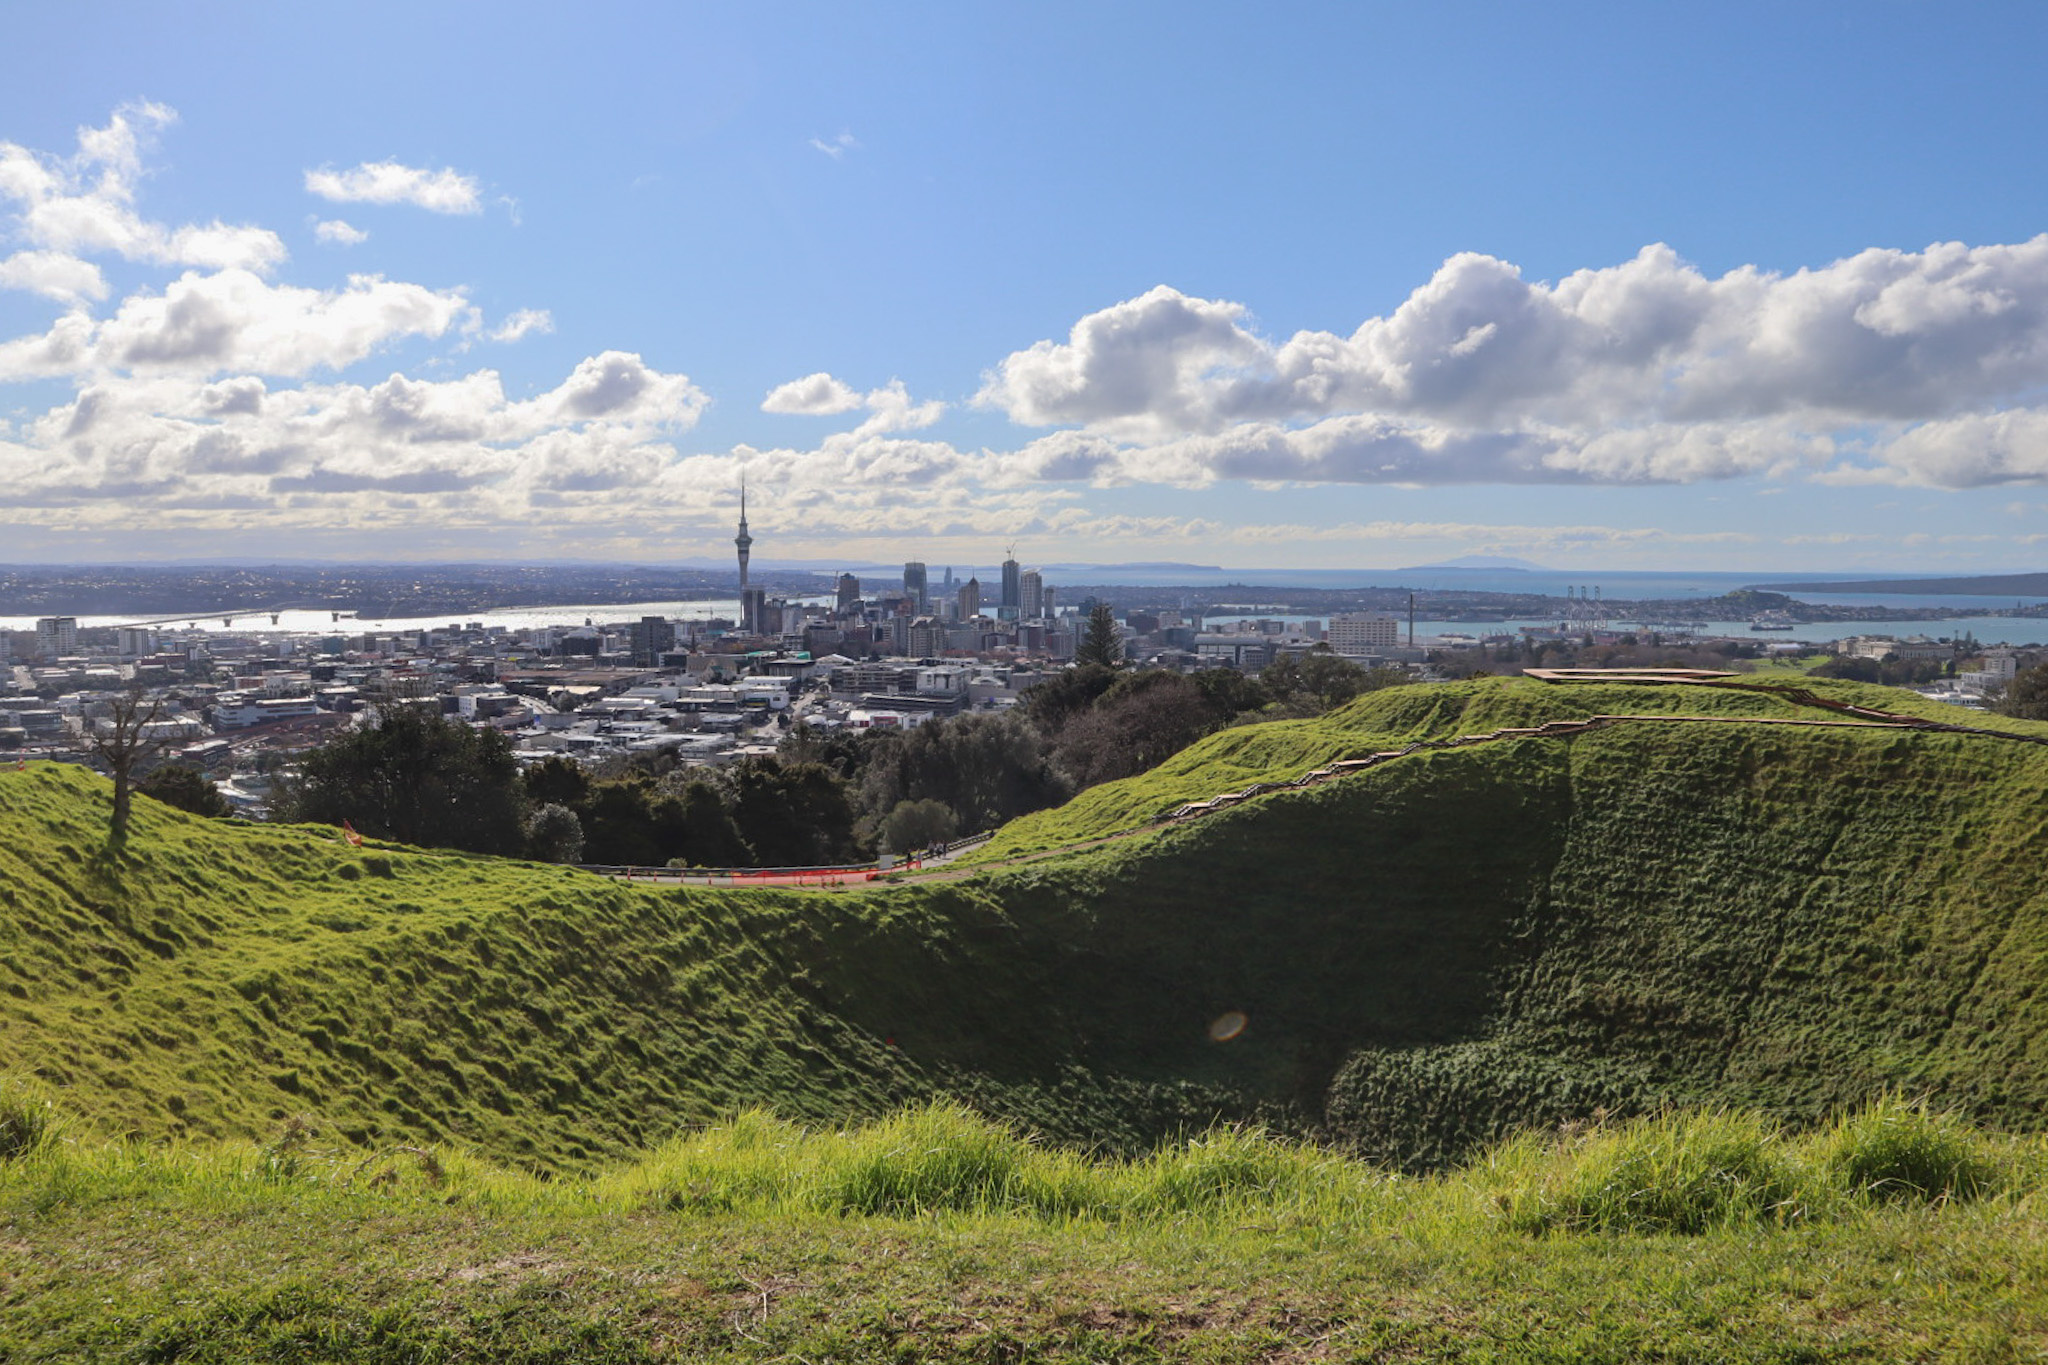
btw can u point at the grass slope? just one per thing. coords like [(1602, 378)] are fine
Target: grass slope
[(935, 1236), (1279, 751), (1430, 954)]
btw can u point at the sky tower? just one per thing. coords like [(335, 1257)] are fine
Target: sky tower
[(743, 540)]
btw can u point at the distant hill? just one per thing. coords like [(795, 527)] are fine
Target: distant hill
[(1453, 944), (1479, 562), (1983, 585)]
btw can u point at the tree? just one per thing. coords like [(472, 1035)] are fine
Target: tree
[(1052, 703), (121, 740), (187, 788), (2026, 696), (986, 769), (711, 838), (917, 824), (555, 835), (1144, 720), (557, 781), (791, 815), (1103, 643), (1320, 681), (415, 776)]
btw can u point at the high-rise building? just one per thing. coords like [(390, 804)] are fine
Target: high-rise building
[(914, 587), (1012, 590), (970, 599), (849, 592), (1355, 633), (1031, 595), (753, 609), (653, 636), (57, 635)]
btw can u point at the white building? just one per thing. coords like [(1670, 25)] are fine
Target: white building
[(57, 636), (1356, 633)]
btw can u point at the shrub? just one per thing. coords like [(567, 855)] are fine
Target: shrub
[(1895, 1150)]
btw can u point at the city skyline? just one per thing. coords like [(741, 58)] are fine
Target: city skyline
[(1352, 287)]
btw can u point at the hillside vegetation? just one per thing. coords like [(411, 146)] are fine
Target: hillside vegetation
[(1427, 955)]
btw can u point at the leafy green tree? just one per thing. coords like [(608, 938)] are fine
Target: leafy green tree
[(985, 768), (2026, 696), (555, 835), (630, 822), (917, 824), (1050, 704), (711, 837), (791, 815), (187, 788), (557, 781), (1102, 643), (417, 777), (1320, 681), (845, 752), (1229, 693)]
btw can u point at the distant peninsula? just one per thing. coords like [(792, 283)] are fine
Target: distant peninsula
[(1983, 585)]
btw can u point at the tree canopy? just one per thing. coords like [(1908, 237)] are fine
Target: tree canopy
[(417, 777)]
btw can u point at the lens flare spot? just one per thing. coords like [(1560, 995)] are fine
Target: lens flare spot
[(1227, 1026)]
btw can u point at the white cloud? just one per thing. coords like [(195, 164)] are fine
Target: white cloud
[(53, 274), (815, 395), (390, 182), (337, 232), (523, 323), (85, 203), (889, 408), (837, 147), (1648, 370), (210, 324)]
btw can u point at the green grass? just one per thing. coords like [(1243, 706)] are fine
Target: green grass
[(932, 1235), (1280, 751), (1431, 956)]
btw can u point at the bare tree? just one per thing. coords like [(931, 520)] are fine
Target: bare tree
[(122, 741)]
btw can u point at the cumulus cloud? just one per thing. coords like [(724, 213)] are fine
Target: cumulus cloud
[(1882, 335), (1648, 370), (889, 408), (234, 320), (815, 395), (391, 182), (337, 232), (53, 274), (85, 203)]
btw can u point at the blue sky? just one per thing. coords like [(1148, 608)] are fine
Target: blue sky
[(1756, 287)]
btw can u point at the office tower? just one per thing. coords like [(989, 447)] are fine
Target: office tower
[(1031, 595), (970, 599), (57, 635), (849, 592), (653, 636), (1012, 591), (914, 587)]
